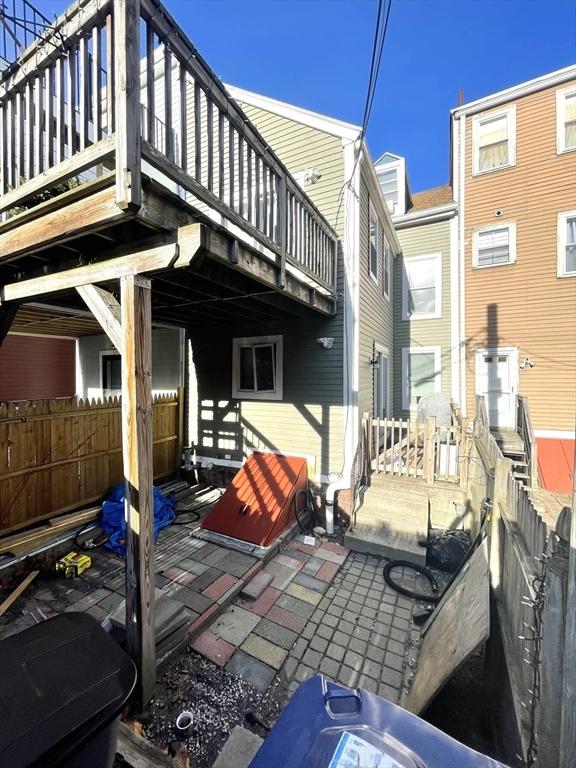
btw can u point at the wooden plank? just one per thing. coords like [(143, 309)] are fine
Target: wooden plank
[(85, 95), (60, 111), (50, 72), (221, 155), (210, 138), (168, 129), (150, 83), (18, 591), (106, 309), (183, 120), (139, 752), (70, 103), (155, 258), (110, 75), (138, 473), (96, 84), (568, 725), (197, 132), (127, 103), (459, 625), (97, 153)]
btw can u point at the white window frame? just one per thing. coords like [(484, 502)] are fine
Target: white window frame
[(437, 258), (386, 266), (510, 114), (255, 341), (103, 353), (561, 120), (406, 352), (511, 225), (373, 215), (561, 239)]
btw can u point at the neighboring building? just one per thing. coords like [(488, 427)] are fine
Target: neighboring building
[(514, 175), (425, 311), (35, 367)]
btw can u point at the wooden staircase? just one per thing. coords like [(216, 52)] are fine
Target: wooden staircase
[(512, 446)]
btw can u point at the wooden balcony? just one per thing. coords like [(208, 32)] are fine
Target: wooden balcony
[(113, 130)]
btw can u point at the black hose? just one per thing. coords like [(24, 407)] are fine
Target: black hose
[(309, 506), (426, 572)]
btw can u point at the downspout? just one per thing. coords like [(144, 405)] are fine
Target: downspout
[(351, 245)]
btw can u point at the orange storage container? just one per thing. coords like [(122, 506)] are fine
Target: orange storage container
[(259, 503)]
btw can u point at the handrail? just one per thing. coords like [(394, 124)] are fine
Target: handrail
[(527, 434), (86, 94)]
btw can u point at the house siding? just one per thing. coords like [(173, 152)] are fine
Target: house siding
[(166, 361), (36, 367), (309, 419), (375, 312), (525, 304), (422, 240)]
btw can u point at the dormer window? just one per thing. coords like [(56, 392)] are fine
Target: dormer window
[(389, 186)]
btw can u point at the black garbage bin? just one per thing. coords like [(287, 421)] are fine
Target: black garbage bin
[(63, 684)]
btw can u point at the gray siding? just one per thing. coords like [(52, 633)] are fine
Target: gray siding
[(421, 240), (375, 315), (309, 419), (166, 361)]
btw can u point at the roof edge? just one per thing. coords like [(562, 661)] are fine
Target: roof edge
[(516, 91), (316, 120)]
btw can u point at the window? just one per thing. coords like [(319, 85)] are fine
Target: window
[(374, 247), (494, 246), (494, 138), (422, 287), (421, 374), (110, 372), (567, 244), (389, 185), (257, 368), (387, 260), (566, 120)]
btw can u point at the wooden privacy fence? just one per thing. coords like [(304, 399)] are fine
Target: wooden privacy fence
[(56, 455), (529, 579), (418, 449)]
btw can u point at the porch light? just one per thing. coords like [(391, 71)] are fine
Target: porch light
[(374, 362)]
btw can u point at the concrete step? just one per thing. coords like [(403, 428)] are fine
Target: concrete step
[(385, 543), (239, 750)]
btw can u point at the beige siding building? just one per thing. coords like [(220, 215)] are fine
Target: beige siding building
[(514, 162)]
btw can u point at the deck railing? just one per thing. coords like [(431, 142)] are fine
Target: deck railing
[(526, 432), (117, 85)]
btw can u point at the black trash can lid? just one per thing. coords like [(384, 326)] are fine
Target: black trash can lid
[(61, 682)]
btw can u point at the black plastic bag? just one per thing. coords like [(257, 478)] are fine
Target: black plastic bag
[(447, 549)]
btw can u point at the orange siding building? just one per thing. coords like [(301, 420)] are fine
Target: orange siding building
[(514, 170)]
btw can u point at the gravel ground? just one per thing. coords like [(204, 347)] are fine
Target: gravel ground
[(218, 701)]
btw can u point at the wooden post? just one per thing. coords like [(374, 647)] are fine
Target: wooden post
[(127, 114), (138, 474), (429, 448), (181, 395)]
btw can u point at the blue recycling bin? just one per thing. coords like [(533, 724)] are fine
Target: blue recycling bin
[(326, 725)]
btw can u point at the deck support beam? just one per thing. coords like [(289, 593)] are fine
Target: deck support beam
[(136, 314), (105, 309)]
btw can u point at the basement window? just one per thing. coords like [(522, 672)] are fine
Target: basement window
[(257, 368)]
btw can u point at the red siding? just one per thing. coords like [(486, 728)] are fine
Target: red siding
[(34, 367), (555, 464)]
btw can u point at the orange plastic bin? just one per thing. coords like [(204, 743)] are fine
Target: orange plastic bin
[(259, 503)]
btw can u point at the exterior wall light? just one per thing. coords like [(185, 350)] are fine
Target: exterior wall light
[(374, 362), (527, 363), (326, 341)]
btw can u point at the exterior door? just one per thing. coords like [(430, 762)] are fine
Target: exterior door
[(496, 380), (381, 407)]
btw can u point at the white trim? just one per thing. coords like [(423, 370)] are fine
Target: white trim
[(437, 257), (380, 349), (516, 91), (255, 341), (561, 147), (406, 352), (462, 257), (561, 244), (511, 226), (426, 216), (316, 120), (372, 215), (453, 305), (78, 370), (351, 351), (386, 267), (558, 434), (514, 374), (510, 114)]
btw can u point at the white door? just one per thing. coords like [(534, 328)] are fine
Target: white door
[(496, 380)]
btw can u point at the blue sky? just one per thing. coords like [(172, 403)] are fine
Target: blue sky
[(316, 53)]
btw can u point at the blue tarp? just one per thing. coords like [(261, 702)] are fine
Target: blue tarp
[(114, 525)]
